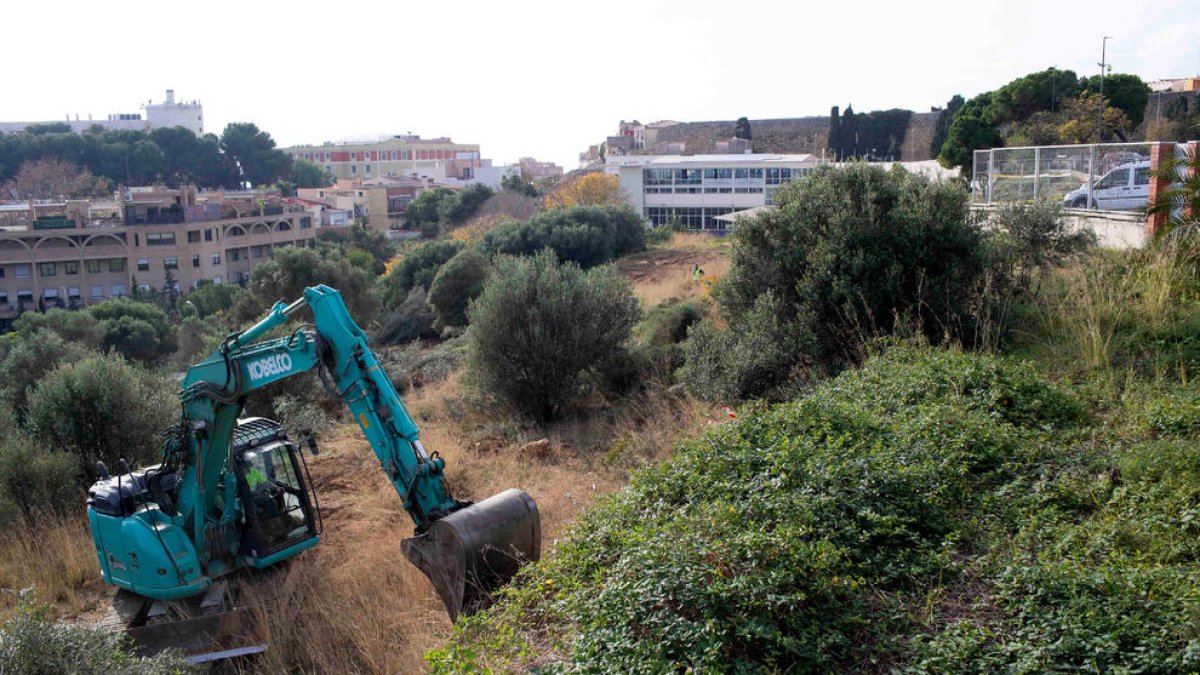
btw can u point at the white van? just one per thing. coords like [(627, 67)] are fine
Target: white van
[(1124, 188)]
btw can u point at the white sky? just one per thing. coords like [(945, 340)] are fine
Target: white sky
[(546, 79)]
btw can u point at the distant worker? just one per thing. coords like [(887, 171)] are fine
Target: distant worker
[(697, 273)]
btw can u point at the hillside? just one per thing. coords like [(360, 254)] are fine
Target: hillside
[(933, 511)]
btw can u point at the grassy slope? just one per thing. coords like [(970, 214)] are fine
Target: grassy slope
[(932, 512)]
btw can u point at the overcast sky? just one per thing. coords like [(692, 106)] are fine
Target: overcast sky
[(546, 79)]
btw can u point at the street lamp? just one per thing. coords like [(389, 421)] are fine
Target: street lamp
[(1053, 87), (1103, 65)]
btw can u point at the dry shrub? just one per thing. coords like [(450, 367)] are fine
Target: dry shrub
[(57, 561)]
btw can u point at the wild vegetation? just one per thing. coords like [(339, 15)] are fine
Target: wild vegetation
[(930, 511), (51, 161), (962, 446)]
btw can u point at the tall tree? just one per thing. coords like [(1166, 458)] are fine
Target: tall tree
[(593, 189), (942, 128), (308, 174), (742, 129), (51, 179), (255, 154), (1122, 91)]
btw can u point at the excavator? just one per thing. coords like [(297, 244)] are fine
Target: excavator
[(235, 493)]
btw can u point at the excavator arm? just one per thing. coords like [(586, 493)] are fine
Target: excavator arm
[(465, 549)]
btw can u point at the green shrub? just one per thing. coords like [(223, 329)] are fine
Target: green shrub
[(33, 644), (658, 338), (38, 481), (197, 339), (861, 251), (457, 283), (659, 234), (586, 235), (101, 409), (358, 241), (29, 360), (416, 365), (137, 330), (790, 541), (211, 299), (72, 326), (757, 357), (413, 319), (539, 326), (291, 269), (417, 267), (457, 208)]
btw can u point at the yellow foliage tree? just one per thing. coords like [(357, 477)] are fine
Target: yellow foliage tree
[(593, 189), (1079, 119)]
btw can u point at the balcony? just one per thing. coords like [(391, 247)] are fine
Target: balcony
[(159, 218)]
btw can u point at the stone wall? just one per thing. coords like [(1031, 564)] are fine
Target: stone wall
[(786, 136)]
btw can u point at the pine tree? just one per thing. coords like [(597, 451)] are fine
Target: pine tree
[(741, 129)]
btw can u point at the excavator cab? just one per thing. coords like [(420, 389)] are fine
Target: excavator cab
[(280, 509)]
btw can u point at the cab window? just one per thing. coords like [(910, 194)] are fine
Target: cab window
[(1115, 178)]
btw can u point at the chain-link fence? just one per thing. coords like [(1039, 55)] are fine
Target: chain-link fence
[(1111, 177)]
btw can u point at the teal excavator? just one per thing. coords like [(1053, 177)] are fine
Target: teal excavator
[(235, 493)]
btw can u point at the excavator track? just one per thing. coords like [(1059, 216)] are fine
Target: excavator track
[(205, 628)]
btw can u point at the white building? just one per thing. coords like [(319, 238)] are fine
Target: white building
[(169, 113), (172, 113), (696, 189)]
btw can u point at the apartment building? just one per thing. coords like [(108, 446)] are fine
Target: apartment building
[(77, 253), (697, 189), (379, 202), (411, 156), (532, 169)]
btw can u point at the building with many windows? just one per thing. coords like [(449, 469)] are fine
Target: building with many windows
[(77, 253), (696, 189), (411, 156)]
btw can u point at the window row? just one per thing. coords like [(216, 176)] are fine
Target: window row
[(694, 218), (378, 155), (773, 176), (73, 293), (67, 267), (704, 190)]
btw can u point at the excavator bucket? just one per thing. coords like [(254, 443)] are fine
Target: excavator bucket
[(470, 553)]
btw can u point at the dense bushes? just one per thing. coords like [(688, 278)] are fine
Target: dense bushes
[(457, 283), (539, 326), (102, 409), (849, 254), (33, 644), (38, 481), (761, 356), (137, 330), (445, 207), (290, 270), (29, 359), (586, 235), (791, 541), (416, 267)]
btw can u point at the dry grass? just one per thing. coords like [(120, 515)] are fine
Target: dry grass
[(665, 273), (57, 561), (354, 604)]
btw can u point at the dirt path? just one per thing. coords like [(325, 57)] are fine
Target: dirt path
[(661, 274)]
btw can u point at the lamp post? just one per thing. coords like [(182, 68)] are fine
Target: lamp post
[(1103, 65), (1053, 88)]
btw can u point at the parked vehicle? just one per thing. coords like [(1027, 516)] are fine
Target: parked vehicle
[(1124, 188)]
